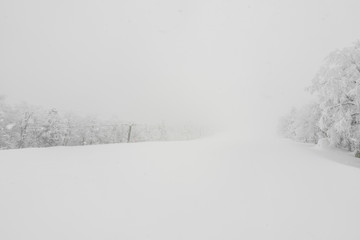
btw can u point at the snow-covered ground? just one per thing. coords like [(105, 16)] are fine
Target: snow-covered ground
[(201, 190)]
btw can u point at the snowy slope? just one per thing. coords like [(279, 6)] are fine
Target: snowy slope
[(203, 189)]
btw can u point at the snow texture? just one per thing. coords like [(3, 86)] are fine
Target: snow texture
[(323, 143), (200, 189)]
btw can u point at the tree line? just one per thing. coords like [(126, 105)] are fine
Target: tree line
[(23, 126), (334, 116)]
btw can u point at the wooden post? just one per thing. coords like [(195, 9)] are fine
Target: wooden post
[(129, 133)]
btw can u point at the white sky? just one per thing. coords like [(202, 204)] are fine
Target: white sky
[(226, 60)]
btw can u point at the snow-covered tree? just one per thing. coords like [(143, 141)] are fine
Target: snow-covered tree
[(24, 126), (336, 113), (53, 130), (8, 125), (302, 124), (337, 86)]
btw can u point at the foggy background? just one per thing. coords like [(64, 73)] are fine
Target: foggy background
[(223, 63)]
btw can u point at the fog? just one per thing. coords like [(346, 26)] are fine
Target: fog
[(225, 63)]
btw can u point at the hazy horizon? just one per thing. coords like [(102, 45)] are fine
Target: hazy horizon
[(224, 62)]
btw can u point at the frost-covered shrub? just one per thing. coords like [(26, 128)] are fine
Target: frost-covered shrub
[(302, 125), (323, 143), (336, 114), (27, 126)]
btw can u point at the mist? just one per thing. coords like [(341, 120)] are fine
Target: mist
[(229, 64), (169, 119)]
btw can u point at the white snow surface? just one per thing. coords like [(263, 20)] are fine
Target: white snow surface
[(192, 190)]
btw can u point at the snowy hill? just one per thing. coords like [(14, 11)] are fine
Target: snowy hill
[(203, 189)]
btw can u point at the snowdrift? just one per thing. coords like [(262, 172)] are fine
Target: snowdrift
[(201, 189)]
